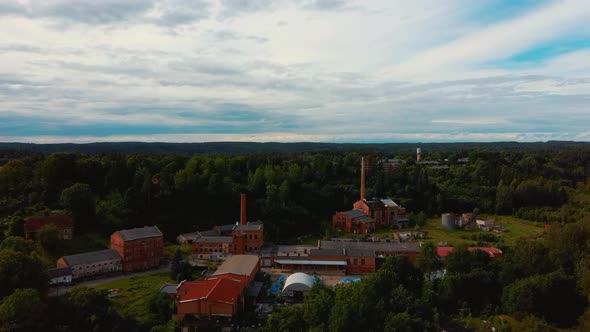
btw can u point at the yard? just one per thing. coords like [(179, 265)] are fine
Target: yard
[(134, 293), (516, 228)]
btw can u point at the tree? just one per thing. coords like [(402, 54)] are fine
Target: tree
[(317, 306), (19, 270), (49, 237), (17, 243), (175, 265), (553, 297), (79, 201), (428, 260), (161, 308), (23, 310)]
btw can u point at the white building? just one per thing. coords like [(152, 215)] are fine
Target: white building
[(59, 275)]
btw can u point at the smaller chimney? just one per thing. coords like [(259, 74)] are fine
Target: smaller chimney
[(243, 209), (319, 245), (362, 178)]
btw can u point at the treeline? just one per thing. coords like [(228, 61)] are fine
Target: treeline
[(542, 284), (293, 194)]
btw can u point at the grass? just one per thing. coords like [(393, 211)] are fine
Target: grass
[(170, 249), (135, 292), (516, 228)]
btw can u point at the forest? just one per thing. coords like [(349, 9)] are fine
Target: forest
[(542, 283)]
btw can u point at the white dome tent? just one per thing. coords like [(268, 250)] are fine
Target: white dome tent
[(297, 283)]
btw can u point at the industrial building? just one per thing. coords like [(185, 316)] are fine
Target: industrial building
[(92, 264), (221, 296), (368, 214), (233, 239), (140, 248)]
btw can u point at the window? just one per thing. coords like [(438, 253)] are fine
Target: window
[(355, 261), (363, 261), (255, 236)]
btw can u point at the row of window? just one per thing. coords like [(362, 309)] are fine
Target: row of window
[(355, 261)]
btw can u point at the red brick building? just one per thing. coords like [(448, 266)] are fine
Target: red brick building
[(220, 296), (353, 221), (385, 211), (212, 247), (236, 239), (140, 248), (63, 223), (443, 252)]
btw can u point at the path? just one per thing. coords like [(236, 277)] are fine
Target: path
[(56, 291)]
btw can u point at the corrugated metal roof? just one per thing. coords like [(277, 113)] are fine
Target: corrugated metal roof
[(309, 262), (139, 233), (385, 247), (59, 272), (92, 257), (238, 264), (213, 239), (298, 282)]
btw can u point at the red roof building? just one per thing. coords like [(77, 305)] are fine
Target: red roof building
[(63, 223), (491, 251), (220, 295)]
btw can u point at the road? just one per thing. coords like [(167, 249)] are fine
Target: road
[(56, 291)]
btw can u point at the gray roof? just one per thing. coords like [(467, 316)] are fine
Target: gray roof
[(354, 213), (226, 228), (343, 251), (213, 239), (238, 264), (249, 227), (169, 288), (140, 233), (59, 272), (377, 247), (92, 257)]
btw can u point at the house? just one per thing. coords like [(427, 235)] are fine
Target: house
[(63, 223), (140, 248), (353, 221), (59, 276), (92, 263), (219, 297)]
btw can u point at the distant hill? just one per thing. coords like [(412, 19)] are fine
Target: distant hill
[(250, 147)]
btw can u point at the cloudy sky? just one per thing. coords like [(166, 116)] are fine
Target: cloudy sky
[(294, 70)]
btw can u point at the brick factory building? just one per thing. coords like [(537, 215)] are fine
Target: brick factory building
[(353, 221), (221, 296), (233, 239), (140, 248), (63, 223)]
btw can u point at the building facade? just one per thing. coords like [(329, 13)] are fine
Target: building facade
[(59, 276), (91, 264), (353, 221), (140, 248)]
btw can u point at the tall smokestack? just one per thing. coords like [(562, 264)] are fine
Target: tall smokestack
[(243, 209), (418, 154), (362, 178)]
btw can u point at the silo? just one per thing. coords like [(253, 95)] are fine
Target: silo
[(448, 221)]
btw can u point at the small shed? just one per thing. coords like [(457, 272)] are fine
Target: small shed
[(297, 284)]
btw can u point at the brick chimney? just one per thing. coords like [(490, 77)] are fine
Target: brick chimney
[(243, 220), (362, 178)]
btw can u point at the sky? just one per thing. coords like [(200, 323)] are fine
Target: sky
[(294, 70)]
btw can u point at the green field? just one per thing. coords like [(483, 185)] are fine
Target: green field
[(516, 228), (135, 292)]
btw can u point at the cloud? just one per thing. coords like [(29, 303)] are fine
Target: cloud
[(160, 12), (337, 71)]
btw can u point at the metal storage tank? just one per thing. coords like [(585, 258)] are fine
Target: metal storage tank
[(448, 221)]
